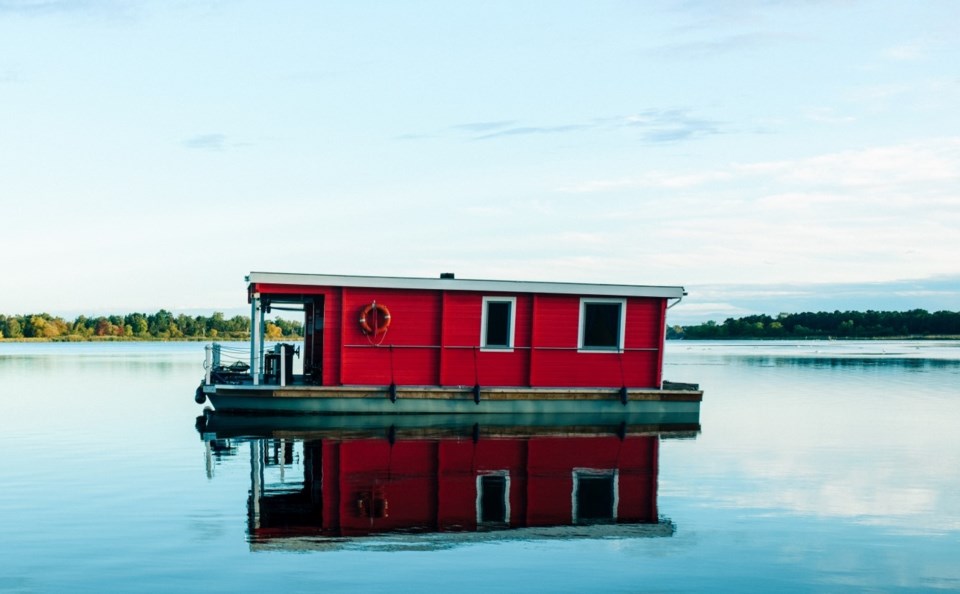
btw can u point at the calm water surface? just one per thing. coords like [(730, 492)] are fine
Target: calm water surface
[(819, 467)]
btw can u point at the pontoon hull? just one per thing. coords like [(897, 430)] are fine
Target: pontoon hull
[(668, 404)]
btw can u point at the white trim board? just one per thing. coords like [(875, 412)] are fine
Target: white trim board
[(482, 286)]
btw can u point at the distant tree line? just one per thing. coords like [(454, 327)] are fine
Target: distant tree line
[(837, 324), (162, 325)]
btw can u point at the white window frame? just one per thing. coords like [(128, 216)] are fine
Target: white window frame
[(594, 472), (506, 496), (511, 333), (583, 320)]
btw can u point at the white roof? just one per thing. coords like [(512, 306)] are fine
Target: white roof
[(482, 286)]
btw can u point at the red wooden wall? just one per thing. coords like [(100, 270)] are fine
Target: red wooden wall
[(434, 339)]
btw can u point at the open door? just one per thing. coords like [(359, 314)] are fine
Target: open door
[(313, 340)]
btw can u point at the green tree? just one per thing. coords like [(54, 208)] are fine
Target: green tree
[(216, 322), (13, 328), (159, 323)]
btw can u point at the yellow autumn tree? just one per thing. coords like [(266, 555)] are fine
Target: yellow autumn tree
[(274, 332)]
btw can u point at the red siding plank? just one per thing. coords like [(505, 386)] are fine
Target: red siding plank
[(332, 338), (661, 341)]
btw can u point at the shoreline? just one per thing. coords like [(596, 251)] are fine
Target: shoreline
[(74, 338)]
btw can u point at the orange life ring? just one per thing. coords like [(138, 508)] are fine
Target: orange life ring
[(373, 504), (378, 322)]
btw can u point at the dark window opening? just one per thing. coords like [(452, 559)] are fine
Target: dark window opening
[(493, 499), (595, 499), (601, 325), (498, 324)]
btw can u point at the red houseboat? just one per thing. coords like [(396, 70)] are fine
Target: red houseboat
[(447, 345)]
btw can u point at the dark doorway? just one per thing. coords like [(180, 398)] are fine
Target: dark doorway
[(313, 340)]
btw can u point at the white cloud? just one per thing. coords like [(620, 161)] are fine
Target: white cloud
[(934, 160), (690, 312), (877, 92), (212, 142), (652, 179), (937, 160), (486, 211), (827, 115), (906, 52), (858, 215), (719, 301)]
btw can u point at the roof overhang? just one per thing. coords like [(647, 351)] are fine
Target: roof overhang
[(481, 286)]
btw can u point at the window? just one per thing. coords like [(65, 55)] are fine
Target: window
[(601, 324), (497, 323), (493, 498), (596, 495)]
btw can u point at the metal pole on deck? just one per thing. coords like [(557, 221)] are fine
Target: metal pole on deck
[(263, 333), (283, 365), (208, 362), (254, 337)]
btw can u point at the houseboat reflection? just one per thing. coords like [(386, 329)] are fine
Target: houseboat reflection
[(319, 482)]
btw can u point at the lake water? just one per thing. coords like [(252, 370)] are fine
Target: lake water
[(817, 467)]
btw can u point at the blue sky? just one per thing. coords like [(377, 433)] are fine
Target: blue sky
[(768, 155)]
